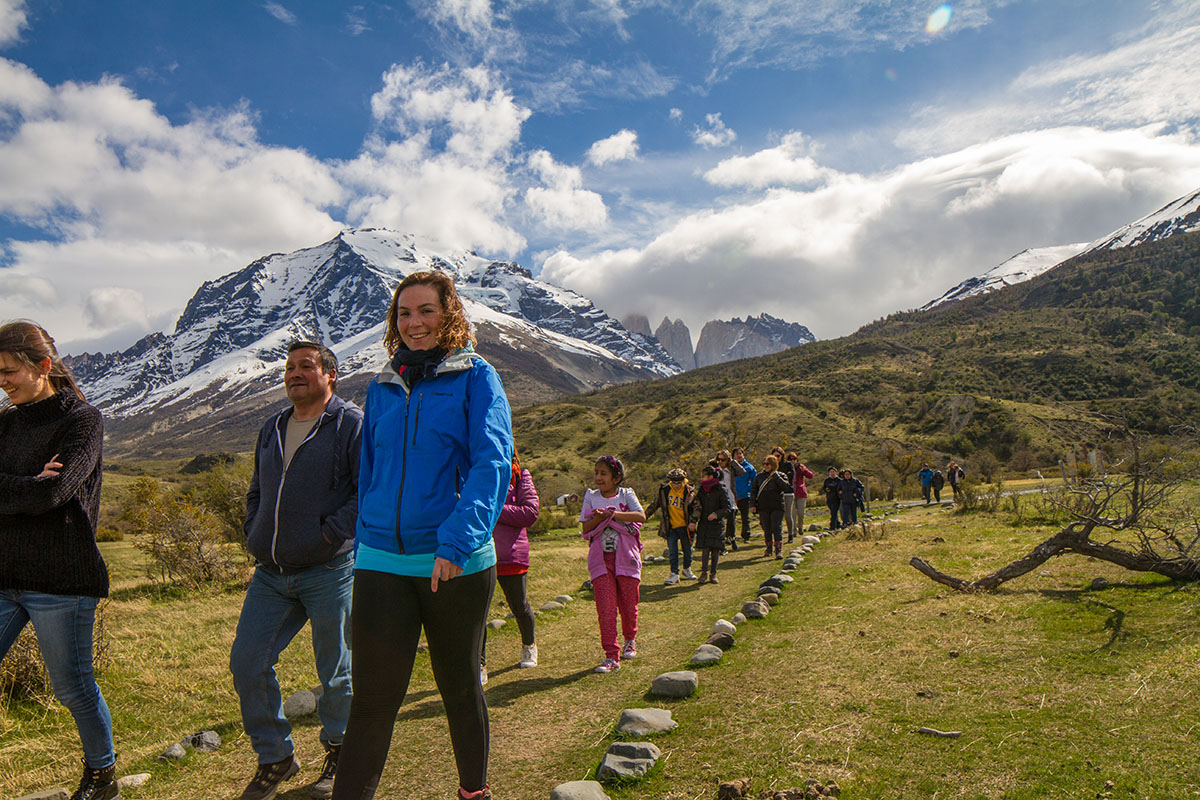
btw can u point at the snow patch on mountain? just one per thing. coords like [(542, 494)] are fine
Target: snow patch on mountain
[(1021, 267)]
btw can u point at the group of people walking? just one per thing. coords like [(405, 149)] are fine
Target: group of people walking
[(934, 480), (373, 525)]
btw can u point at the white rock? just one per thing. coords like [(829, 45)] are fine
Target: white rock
[(724, 626), (497, 624), (132, 781), (739, 618)]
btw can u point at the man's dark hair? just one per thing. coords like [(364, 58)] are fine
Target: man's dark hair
[(328, 360)]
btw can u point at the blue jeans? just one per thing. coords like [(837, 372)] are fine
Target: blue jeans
[(849, 514), (677, 537), (275, 609), (63, 624)]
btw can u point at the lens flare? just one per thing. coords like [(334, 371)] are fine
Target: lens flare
[(939, 19), (891, 74)]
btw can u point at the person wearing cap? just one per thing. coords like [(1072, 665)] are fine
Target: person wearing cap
[(674, 502)]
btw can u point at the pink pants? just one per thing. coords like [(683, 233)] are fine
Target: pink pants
[(615, 592)]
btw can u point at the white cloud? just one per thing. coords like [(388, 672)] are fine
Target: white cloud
[(472, 17), (563, 203), (280, 13), (715, 135), (130, 200), (790, 163), (676, 114), (13, 18), (789, 34), (859, 247), (621, 146), (440, 163), (356, 21), (112, 306), (1147, 77)]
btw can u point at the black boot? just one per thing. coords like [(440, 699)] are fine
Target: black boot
[(98, 784)]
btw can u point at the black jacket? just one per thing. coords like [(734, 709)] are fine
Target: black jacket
[(710, 533), (831, 487), (768, 490), (851, 491)]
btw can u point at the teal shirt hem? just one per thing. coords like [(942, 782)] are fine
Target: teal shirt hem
[(419, 565)]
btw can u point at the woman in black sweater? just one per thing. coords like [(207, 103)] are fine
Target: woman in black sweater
[(51, 572)]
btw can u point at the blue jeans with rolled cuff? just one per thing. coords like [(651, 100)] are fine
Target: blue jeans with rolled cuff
[(275, 610), (677, 538), (64, 624)]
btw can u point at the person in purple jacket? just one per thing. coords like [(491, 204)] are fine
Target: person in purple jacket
[(512, 560)]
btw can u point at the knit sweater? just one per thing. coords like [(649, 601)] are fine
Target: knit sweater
[(48, 525)]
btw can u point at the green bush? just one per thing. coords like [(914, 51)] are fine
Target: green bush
[(184, 540)]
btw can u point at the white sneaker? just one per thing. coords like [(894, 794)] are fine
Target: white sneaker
[(629, 649), (671, 580), (688, 575), (482, 674), (528, 656)]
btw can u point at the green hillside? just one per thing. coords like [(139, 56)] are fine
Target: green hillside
[(1020, 377)]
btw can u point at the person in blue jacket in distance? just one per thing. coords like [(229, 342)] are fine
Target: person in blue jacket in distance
[(434, 472)]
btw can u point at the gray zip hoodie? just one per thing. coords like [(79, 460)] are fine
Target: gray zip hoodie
[(307, 515)]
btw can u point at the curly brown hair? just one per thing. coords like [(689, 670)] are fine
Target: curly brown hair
[(455, 332)]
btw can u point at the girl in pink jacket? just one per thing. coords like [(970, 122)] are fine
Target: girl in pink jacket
[(612, 520)]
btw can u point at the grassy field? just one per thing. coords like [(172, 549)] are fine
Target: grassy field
[(1056, 688)]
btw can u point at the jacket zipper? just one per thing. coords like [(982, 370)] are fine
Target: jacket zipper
[(404, 459), (283, 475)]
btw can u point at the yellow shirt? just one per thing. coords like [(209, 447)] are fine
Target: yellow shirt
[(675, 505)]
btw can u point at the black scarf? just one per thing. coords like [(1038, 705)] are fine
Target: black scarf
[(413, 365)]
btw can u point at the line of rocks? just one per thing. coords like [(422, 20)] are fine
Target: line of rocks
[(630, 761)]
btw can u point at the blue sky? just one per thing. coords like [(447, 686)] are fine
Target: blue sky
[(826, 162)]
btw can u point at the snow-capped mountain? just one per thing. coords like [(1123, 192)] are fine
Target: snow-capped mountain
[(1178, 216), (1021, 267), (223, 363)]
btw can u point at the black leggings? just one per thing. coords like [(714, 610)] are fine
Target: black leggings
[(708, 559), (386, 620), (517, 596)]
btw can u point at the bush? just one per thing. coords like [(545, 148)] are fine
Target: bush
[(184, 540), (109, 534), (551, 518), (222, 491)]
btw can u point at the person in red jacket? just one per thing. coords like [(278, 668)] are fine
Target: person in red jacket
[(512, 560), (800, 474)]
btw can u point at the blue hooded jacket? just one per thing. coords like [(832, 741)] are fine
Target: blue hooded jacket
[(435, 467)]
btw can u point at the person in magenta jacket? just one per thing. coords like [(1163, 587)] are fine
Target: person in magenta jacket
[(512, 559), (801, 474)]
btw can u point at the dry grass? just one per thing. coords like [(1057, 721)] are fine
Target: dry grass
[(1056, 688)]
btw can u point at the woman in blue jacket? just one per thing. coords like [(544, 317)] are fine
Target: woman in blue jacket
[(435, 467)]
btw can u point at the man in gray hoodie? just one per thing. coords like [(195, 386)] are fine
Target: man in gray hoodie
[(301, 512)]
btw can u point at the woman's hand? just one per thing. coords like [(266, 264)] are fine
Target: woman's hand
[(51, 469), (712, 516), (443, 570)]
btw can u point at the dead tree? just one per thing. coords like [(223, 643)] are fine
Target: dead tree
[(1126, 515)]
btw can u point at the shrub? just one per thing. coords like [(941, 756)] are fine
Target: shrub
[(183, 539), (222, 491), (109, 534)]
